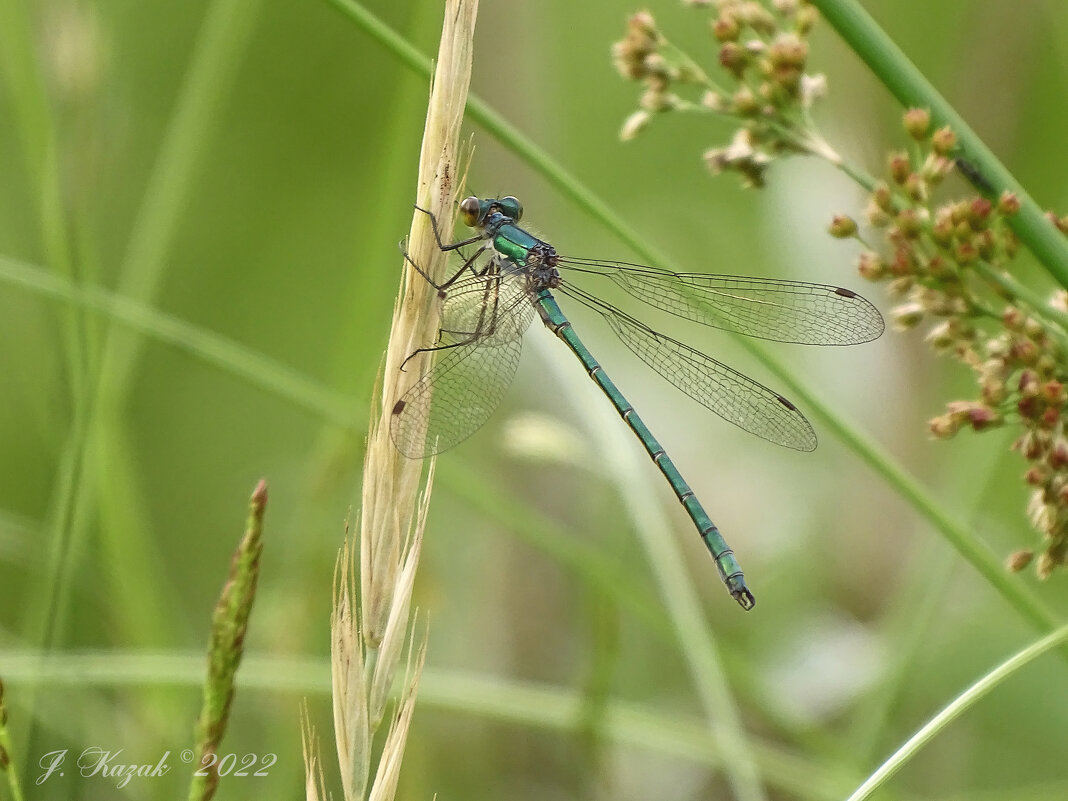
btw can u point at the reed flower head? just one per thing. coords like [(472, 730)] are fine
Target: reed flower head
[(763, 83), (946, 264)]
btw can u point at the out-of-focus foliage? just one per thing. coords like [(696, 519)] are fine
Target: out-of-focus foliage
[(297, 189)]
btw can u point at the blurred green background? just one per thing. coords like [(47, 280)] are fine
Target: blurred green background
[(272, 220)]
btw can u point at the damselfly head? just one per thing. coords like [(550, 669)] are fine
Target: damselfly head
[(473, 210)]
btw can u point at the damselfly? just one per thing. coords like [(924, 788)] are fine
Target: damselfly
[(488, 304)]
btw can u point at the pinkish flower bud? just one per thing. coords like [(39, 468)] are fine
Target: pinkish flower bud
[(642, 22), (982, 417), (965, 252), (1013, 319), (915, 186), (1037, 475), (1051, 416), (936, 168), (899, 167), (1028, 384), (1008, 203), (1053, 392), (788, 50), (842, 226), (876, 216), (944, 426), (745, 102), (1029, 407), (1019, 560), (942, 230), (917, 123), (909, 223), (993, 390), (734, 58), (870, 266), (987, 244), (903, 262), (943, 141), (1030, 445), (1058, 453), (725, 27), (1024, 351), (939, 268), (883, 197), (979, 213)]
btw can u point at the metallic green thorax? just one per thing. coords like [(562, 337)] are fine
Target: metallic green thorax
[(514, 243)]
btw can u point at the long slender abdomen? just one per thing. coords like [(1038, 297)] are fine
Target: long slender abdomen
[(729, 570)]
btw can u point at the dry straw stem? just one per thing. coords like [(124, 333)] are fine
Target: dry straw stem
[(391, 481), (369, 629), (228, 627), (363, 673)]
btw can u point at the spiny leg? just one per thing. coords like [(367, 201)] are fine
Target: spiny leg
[(468, 264), (441, 245)]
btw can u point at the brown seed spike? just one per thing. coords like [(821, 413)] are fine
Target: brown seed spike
[(845, 293), (786, 403), (398, 407)]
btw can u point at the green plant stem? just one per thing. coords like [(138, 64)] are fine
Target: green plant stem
[(210, 347), (1019, 291), (32, 115), (954, 710), (226, 28), (912, 89)]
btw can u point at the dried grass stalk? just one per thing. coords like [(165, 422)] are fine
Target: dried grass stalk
[(370, 629)]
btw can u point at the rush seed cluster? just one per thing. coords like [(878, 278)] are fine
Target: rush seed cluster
[(946, 265), (762, 54)]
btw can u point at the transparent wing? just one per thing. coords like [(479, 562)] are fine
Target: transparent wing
[(493, 307), (783, 311), (733, 396), (455, 398)]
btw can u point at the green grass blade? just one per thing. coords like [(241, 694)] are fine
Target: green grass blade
[(966, 700), (211, 348)]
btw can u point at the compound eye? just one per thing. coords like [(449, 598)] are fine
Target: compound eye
[(511, 207), (469, 211)]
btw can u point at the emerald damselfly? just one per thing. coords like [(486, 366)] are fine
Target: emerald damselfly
[(488, 304)]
